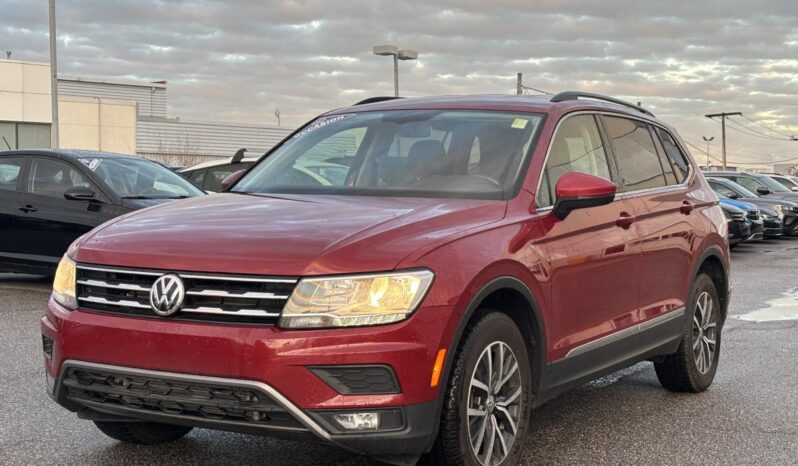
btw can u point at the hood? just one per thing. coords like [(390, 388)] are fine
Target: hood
[(282, 234)]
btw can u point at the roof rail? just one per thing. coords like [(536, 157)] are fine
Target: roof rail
[(372, 100), (575, 95)]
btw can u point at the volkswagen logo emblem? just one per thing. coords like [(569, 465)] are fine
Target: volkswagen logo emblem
[(166, 294)]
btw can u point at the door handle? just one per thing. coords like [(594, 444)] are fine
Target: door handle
[(686, 207), (28, 208), (625, 220)]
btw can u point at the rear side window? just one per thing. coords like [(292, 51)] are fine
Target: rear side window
[(576, 147), (635, 154), (10, 168), (675, 156), (215, 175), (749, 183), (196, 177)]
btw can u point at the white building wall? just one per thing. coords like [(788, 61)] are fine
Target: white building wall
[(97, 124), (187, 142), (150, 97), (25, 92)]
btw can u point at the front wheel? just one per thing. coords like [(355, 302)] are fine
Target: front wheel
[(692, 368), (486, 409)]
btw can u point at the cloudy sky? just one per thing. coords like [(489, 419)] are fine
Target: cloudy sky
[(241, 60)]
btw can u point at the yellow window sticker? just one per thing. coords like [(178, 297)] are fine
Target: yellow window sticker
[(519, 123)]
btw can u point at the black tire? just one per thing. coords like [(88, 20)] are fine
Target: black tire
[(453, 444), (679, 372), (147, 433)]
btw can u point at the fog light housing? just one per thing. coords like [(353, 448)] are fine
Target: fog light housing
[(358, 421)]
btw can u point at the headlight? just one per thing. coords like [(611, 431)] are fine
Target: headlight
[(727, 214), (64, 283), (355, 300), (779, 211)]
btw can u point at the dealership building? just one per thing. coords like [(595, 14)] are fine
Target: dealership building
[(115, 116)]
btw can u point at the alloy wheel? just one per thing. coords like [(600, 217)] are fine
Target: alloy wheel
[(705, 332), (494, 404)]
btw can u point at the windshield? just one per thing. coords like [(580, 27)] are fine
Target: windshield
[(424, 153), (140, 179), (774, 185)]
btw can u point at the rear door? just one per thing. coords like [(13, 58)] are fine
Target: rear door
[(653, 174), (49, 221), (594, 253), (11, 171)]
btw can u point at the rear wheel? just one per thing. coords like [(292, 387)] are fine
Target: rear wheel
[(486, 409), (692, 368), (148, 433)]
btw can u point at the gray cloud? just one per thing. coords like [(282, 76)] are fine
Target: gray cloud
[(241, 60)]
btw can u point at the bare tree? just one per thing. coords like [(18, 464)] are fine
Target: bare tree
[(180, 150)]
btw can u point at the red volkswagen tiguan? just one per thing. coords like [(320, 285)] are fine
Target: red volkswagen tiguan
[(403, 277)]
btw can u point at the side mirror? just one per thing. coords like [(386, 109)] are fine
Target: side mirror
[(794, 188), (733, 196), (80, 193), (231, 179), (576, 190), (763, 191)]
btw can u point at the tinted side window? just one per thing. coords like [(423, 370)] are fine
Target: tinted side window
[(10, 168), (749, 183), (215, 175), (675, 156), (52, 178), (576, 147), (638, 163), (196, 177), (721, 189)]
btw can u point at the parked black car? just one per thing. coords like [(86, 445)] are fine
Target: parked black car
[(739, 229), (48, 198), (785, 211), (758, 183)]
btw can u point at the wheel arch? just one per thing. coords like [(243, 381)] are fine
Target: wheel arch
[(523, 309), (713, 262)]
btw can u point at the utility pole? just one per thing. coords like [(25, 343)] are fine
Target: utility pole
[(708, 140), (53, 79), (519, 86), (723, 130)]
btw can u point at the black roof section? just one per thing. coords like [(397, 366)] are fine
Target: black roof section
[(575, 95)]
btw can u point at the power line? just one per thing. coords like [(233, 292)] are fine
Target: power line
[(757, 133), (794, 159), (767, 127)]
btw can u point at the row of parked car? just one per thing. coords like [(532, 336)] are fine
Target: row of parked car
[(757, 206)]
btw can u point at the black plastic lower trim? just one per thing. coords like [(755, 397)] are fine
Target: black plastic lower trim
[(650, 341)]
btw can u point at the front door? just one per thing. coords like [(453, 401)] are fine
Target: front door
[(49, 221), (594, 256)]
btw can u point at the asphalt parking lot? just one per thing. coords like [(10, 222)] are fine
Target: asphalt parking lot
[(749, 416)]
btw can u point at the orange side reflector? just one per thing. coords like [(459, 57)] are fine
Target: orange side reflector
[(438, 368)]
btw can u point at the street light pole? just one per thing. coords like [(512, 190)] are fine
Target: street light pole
[(404, 54), (53, 79), (708, 140)]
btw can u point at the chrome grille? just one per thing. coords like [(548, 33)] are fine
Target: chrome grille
[(209, 297), (752, 214), (737, 216)]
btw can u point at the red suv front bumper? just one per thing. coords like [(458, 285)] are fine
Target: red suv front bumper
[(280, 360)]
